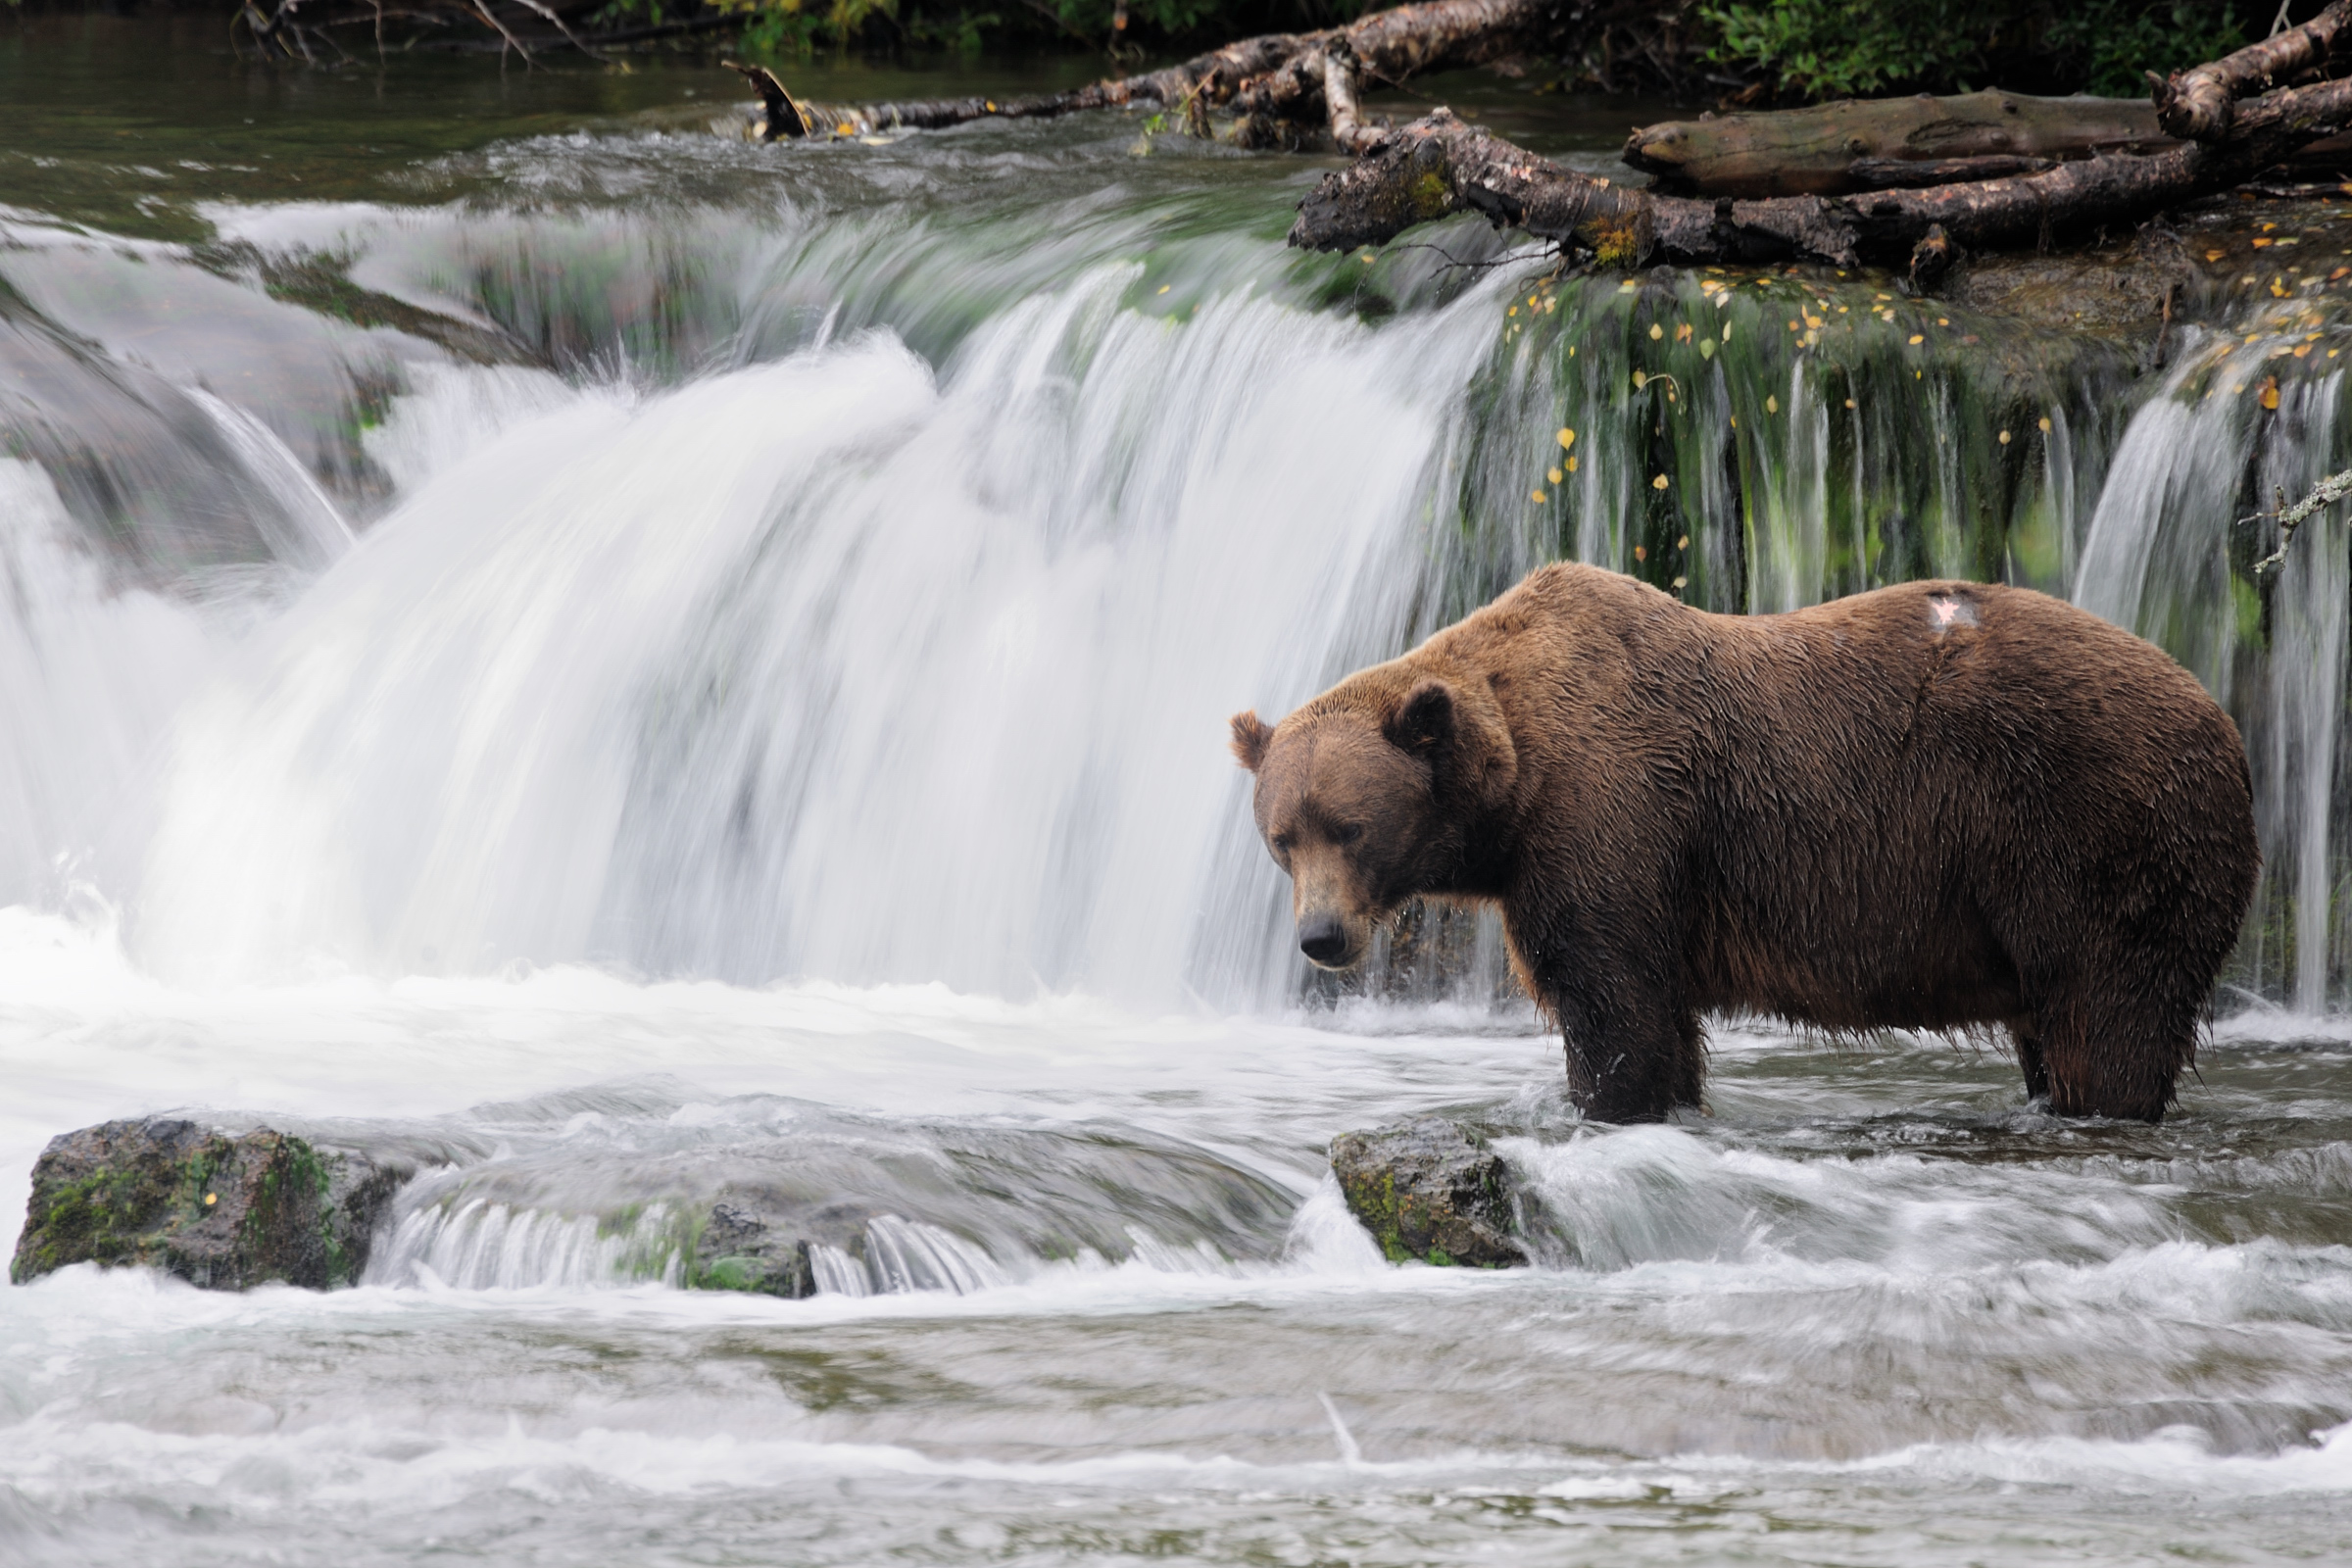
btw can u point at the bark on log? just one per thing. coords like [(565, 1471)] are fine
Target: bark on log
[(1817, 152), (2200, 103), (1439, 165)]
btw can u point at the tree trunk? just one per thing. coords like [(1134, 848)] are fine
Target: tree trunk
[(1816, 152)]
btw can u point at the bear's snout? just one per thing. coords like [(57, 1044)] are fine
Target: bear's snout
[(1324, 940)]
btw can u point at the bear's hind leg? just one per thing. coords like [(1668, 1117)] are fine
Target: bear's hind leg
[(2113, 1056)]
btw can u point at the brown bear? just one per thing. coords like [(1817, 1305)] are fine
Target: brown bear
[(1938, 806)]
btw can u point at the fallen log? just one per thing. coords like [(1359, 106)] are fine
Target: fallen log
[(1855, 145), (1273, 85), (1992, 190), (1439, 165), (2200, 103)]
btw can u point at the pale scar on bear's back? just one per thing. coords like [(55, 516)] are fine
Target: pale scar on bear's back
[(1947, 610)]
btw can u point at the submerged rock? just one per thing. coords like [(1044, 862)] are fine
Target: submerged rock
[(1429, 1189), (222, 1211)]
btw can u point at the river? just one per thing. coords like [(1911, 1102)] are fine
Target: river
[(607, 657)]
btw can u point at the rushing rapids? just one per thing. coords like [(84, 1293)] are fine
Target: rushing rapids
[(615, 662)]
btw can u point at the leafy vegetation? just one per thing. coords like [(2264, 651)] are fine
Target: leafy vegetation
[(1819, 49)]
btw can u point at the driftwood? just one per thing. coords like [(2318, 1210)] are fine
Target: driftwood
[(1879, 143), (1999, 171), (2326, 493), (780, 117), (1274, 86), (2200, 103), (1439, 165)]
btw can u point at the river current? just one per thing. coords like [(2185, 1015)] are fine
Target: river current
[(604, 656)]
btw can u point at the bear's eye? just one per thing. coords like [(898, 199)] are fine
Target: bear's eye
[(1282, 844), (1347, 833)]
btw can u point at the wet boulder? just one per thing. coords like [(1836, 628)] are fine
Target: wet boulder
[(744, 1247), (222, 1211), (1431, 1190)]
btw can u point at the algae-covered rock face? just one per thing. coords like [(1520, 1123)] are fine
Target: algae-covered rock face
[(1427, 1189), (741, 1249), (221, 1212)]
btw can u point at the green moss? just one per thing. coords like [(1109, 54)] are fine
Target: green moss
[(1430, 196), (729, 1274)]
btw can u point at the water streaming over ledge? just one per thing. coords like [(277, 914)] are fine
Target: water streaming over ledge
[(858, 598), (634, 671)]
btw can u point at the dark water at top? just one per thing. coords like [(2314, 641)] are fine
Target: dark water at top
[(624, 660)]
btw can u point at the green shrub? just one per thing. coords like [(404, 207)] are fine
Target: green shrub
[(1816, 49)]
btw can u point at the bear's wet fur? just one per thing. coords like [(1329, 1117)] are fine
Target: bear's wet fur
[(1940, 805)]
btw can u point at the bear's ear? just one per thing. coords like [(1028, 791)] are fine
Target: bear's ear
[(1250, 737), (1423, 725)]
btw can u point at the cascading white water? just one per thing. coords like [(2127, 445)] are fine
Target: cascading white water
[(834, 667), (2156, 558)]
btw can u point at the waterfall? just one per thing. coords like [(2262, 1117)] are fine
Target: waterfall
[(820, 629)]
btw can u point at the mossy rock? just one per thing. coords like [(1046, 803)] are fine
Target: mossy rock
[(221, 1212), (742, 1249), (1431, 1190)]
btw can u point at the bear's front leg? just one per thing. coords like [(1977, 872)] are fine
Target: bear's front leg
[(1634, 1050)]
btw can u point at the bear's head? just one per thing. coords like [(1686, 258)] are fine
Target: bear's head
[(1372, 794)]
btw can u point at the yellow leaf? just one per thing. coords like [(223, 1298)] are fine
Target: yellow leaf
[(1567, 439), (1554, 475), (1682, 582), (2269, 392), (1513, 311), (1772, 405), (1917, 340), (1684, 543), (1656, 331), (2004, 438), (1640, 554), (1537, 496), (2045, 424), (1163, 288), (1571, 465), (1659, 483)]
